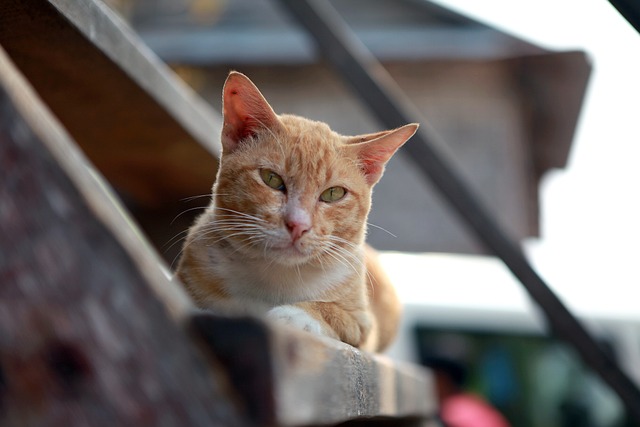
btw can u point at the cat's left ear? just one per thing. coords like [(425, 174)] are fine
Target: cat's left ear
[(245, 111), (375, 150)]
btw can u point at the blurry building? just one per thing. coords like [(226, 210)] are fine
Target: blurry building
[(507, 109)]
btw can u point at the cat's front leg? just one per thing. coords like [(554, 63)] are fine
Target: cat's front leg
[(300, 319), (351, 323), (330, 319)]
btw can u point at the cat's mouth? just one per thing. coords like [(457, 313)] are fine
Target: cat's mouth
[(295, 248), (293, 253)]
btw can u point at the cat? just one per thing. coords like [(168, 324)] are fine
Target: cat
[(285, 229)]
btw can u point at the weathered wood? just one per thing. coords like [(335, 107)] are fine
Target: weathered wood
[(290, 378), (151, 137), (88, 324)]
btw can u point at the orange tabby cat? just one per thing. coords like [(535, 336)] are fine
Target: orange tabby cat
[(286, 225)]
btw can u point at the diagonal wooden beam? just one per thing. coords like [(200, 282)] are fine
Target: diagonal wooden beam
[(148, 133)]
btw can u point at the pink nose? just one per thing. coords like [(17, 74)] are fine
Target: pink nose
[(297, 228)]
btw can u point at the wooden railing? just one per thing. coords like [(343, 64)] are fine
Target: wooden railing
[(92, 331)]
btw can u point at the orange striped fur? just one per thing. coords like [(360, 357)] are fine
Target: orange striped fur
[(285, 230)]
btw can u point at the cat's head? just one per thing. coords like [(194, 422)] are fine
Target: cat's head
[(290, 189)]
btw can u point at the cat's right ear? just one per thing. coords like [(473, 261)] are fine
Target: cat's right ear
[(374, 150), (244, 110)]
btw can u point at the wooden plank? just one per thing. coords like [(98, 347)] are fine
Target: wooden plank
[(288, 377), (88, 323), (149, 134)]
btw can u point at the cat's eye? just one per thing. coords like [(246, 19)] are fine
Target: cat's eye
[(333, 194), (272, 179)]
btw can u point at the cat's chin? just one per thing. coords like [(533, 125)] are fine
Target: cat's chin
[(291, 256)]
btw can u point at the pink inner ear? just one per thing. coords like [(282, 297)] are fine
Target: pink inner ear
[(245, 111), (374, 154), (373, 161), (242, 127), (239, 124), (372, 169)]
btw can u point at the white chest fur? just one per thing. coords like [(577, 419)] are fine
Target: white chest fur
[(270, 283)]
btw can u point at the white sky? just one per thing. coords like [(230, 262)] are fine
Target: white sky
[(591, 209)]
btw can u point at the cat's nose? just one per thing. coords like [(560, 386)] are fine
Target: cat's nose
[(297, 219), (297, 228)]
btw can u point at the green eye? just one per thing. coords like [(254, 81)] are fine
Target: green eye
[(272, 179), (333, 194)]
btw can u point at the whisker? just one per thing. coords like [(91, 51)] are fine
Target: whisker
[(270, 131), (271, 262), (185, 211), (331, 254), (333, 249), (243, 214), (237, 227), (299, 273), (382, 229), (344, 242), (352, 245), (251, 241), (208, 230), (318, 257), (188, 199), (264, 126), (175, 239)]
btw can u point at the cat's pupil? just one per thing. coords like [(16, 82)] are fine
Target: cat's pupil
[(272, 179), (333, 194)]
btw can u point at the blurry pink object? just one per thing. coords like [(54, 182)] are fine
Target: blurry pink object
[(466, 410)]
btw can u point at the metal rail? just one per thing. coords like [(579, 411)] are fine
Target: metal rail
[(380, 94), (630, 10)]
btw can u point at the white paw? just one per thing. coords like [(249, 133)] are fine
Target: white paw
[(296, 317)]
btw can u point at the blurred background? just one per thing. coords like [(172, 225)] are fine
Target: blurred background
[(537, 104)]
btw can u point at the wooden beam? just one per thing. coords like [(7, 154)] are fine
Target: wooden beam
[(290, 378), (145, 130), (89, 326)]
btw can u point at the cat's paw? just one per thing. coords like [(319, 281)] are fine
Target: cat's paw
[(296, 317)]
